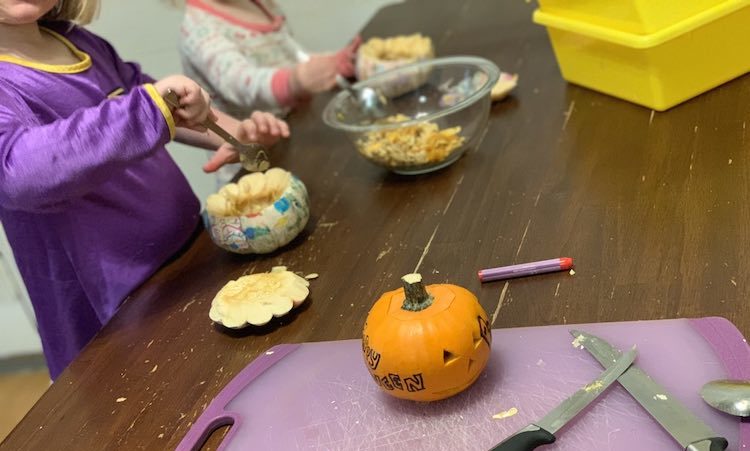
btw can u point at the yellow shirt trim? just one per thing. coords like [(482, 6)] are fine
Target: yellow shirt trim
[(163, 107), (116, 93), (82, 65)]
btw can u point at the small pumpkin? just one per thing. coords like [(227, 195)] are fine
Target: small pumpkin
[(259, 214), (379, 55), (426, 343)]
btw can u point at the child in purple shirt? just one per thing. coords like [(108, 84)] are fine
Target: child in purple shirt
[(90, 200)]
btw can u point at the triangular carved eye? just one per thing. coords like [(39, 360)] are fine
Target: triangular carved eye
[(477, 342), (471, 365), (449, 357)]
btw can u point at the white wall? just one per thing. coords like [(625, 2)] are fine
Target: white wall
[(17, 323), (147, 31)]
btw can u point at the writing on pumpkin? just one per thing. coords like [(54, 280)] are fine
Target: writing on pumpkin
[(392, 381), (372, 357)]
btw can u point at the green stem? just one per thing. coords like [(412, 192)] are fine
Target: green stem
[(417, 297)]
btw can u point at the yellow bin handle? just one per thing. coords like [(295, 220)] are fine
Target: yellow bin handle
[(633, 40)]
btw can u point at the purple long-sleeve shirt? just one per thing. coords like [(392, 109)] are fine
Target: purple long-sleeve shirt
[(90, 200)]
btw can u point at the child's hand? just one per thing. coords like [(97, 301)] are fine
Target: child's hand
[(318, 74), (262, 128), (195, 103), (345, 58)]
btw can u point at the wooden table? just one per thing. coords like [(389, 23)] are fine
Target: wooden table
[(653, 207)]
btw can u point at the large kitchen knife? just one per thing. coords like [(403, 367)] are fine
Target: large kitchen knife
[(542, 432), (687, 429)]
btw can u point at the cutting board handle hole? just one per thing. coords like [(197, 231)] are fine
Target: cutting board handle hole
[(216, 436)]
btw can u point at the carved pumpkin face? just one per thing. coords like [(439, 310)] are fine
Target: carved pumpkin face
[(430, 348)]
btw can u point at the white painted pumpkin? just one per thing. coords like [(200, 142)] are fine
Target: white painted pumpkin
[(259, 214), (379, 55)]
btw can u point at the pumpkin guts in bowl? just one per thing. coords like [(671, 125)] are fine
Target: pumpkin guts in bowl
[(417, 144)]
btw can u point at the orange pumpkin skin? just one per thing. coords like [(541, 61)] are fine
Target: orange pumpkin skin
[(430, 354)]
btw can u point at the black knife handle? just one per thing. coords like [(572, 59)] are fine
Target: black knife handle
[(526, 439), (709, 444)]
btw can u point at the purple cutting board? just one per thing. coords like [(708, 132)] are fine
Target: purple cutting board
[(319, 396)]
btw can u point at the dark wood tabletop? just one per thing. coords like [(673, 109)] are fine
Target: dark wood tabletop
[(653, 207)]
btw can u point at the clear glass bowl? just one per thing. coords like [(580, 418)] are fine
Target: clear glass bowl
[(443, 105)]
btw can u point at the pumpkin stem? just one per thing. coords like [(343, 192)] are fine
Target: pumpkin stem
[(417, 297)]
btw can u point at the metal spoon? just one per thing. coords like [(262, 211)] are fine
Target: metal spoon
[(371, 102), (730, 396), (252, 155)]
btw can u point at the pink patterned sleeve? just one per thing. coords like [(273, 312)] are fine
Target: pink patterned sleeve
[(231, 74)]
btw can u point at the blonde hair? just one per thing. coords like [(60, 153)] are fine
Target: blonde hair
[(81, 12)]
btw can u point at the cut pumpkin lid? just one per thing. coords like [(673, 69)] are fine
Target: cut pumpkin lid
[(257, 298)]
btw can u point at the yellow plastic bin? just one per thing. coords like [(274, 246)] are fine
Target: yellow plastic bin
[(632, 16), (657, 70)]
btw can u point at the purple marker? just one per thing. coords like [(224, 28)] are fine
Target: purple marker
[(525, 269)]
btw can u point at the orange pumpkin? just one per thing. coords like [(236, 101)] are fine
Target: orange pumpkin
[(426, 344)]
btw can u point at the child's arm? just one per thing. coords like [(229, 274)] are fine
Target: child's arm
[(263, 128), (238, 78), (275, 128), (318, 72), (207, 140), (202, 140), (133, 76), (45, 165)]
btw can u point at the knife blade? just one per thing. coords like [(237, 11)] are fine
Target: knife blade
[(542, 432), (687, 429)]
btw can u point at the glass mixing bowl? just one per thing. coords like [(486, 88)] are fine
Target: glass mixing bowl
[(436, 110)]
